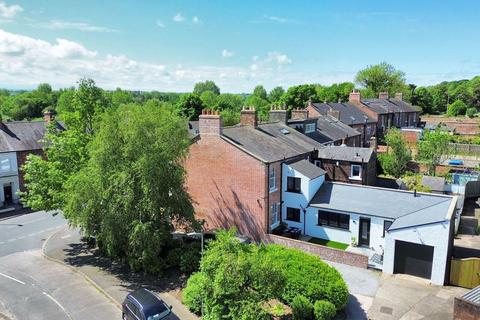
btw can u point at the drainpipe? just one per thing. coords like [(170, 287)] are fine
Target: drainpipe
[(268, 198)]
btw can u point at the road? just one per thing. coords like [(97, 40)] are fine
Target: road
[(32, 287)]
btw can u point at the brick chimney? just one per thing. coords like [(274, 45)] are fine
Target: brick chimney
[(373, 143), (48, 116), (210, 123), (248, 117), (278, 114), (399, 96), (334, 113), (354, 97), (383, 95), (299, 114)]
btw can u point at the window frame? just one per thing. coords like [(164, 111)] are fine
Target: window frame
[(386, 229), (359, 177), (275, 205), (295, 212), (272, 179), (295, 180), (5, 161), (309, 127), (332, 219)]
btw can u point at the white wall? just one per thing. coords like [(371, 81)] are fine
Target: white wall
[(13, 181), (435, 235), (9, 175), (8, 159)]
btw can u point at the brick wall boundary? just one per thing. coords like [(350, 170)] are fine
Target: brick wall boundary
[(326, 253)]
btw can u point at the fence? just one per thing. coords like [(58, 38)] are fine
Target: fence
[(464, 148), (465, 272), (330, 254)]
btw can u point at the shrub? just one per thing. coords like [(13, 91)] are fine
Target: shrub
[(471, 112), (308, 276), (324, 310), (457, 108), (193, 293), (302, 308)]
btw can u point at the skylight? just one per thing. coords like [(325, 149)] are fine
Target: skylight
[(284, 131)]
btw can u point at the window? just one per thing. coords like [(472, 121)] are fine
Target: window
[(318, 163), (386, 226), (293, 184), (369, 130), (274, 214), (272, 179), (5, 165), (356, 172), (293, 214), (309, 127), (333, 219)]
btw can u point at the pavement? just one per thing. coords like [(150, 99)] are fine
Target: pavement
[(33, 287), (113, 280)]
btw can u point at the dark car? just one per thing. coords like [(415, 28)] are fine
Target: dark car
[(143, 304)]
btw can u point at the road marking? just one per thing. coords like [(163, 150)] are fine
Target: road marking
[(58, 304), (67, 236), (11, 278)]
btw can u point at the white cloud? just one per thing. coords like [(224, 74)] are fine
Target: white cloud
[(81, 26), (276, 19), (279, 58), (196, 20), (9, 12), (178, 18), (160, 24), (254, 67), (227, 54)]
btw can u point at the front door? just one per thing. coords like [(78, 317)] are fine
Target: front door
[(7, 194), (364, 232)]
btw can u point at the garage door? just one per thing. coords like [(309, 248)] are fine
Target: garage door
[(414, 259)]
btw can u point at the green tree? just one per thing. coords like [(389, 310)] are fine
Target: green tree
[(432, 148), (119, 97), (440, 97), (190, 106), (65, 101), (421, 97), (276, 94), (382, 77), (260, 92), (298, 96), (471, 112), (457, 108), (209, 99), (394, 162), (262, 106), (229, 101), (208, 85), (133, 187)]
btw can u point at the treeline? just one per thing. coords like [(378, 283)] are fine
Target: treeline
[(454, 98)]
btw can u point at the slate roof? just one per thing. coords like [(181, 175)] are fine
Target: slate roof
[(349, 113), (271, 142), (193, 128), (307, 168), (344, 153), (23, 135), (401, 206), (382, 104), (335, 129), (405, 105)]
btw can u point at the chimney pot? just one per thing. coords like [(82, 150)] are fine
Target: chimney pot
[(278, 115), (48, 116), (383, 95), (248, 117), (299, 114), (399, 96), (354, 96)]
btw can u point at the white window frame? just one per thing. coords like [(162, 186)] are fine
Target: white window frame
[(272, 179), (274, 215), (309, 127), (5, 161), (359, 177)]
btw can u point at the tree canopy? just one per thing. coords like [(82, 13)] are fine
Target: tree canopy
[(394, 161), (382, 77), (432, 148), (201, 87)]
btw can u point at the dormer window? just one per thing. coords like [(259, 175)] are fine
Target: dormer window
[(309, 127)]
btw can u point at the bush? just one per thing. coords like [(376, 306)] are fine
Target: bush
[(308, 276), (324, 310), (471, 112), (192, 294), (302, 308), (184, 255), (457, 108)]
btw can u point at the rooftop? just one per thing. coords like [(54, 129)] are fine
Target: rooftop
[(403, 207), (349, 114), (335, 129), (344, 153), (307, 168)]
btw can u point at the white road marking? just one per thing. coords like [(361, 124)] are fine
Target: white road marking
[(66, 236), (11, 278), (58, 304)]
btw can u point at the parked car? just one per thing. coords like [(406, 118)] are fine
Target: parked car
[(143, 304)]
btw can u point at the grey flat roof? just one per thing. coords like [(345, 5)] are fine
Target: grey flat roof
[(307, 168), (23, 135), (349, 113), (401, 206), (344, 153), (271, 142)]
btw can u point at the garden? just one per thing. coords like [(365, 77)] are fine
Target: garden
[(249, 281)]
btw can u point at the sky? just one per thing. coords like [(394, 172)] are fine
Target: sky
[(171, 45)]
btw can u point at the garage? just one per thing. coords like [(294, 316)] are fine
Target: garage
[(413, 259)]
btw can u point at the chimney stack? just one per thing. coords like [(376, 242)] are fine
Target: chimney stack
[(210, 123), (354, 96), (373, 144), (334, 113), (248, 117), (299, 114), (48, 116), (383, 95), (399, 96), (278, 114)]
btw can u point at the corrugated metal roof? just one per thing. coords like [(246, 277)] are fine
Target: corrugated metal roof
[(473, 295)]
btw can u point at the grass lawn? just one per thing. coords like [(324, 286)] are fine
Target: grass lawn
[(328, 243)]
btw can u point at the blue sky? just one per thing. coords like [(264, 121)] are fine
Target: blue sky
[(170, 45)]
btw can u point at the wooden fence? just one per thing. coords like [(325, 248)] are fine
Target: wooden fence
[(464, 148), (465, 272)]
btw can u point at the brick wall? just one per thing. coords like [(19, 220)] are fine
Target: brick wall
[(228, 187), (21, 159), (463, 310), (330, 254), (341, 173)]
